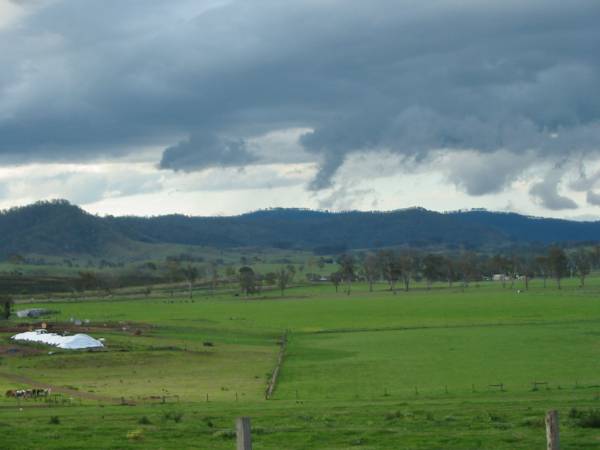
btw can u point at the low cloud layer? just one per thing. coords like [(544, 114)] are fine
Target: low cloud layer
[(206, 151), (546, 191), (501, 85)]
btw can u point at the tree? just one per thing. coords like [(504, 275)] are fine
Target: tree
[(7, 304), (526, 267), (450, 270), (582, 263), (433, 268), (390, 267), (558, 264), (291, 269), (370, 269), (247, 279), (88, 280), (190, 274), (270, 278), (409, 264), (283, 277), (501, 266), (229, 273), (173, 270), (213, 273), (347, 268), (595, 256), (543, 267), (336, 279), (469, 268)]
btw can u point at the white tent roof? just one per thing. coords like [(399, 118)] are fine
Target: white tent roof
[(77, 341)]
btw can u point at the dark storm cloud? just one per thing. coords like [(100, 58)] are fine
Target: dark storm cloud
[(204, 151), (98, 78)]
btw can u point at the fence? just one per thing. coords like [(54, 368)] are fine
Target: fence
[(244, 432)]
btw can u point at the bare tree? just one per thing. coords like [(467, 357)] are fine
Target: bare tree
[(450, 270), (283, 278), (247, 279), (469, 268), (190, 273), (433, 269), (558, 263), (582, 264), (526, 267), (213, 273), (370, 268), (501, 266), (336, 279), (408, 267), (347, 268), (390, 267), (543, 267)]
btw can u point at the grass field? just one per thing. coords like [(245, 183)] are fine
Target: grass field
[(415, 370)]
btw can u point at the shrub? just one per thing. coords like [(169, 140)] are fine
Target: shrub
[(144, 421), (590, 419), (574, 413), (54, 420), (175, 416)]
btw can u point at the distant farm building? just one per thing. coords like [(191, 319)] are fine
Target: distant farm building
[(34, 312), (500, 277)]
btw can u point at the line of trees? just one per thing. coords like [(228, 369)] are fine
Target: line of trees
[(397, 268), (400, 268)]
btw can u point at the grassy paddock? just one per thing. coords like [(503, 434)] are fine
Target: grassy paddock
[(348, 378)]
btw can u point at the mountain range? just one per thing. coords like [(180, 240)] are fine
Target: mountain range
[(59, 228)]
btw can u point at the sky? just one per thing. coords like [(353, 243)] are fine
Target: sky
[(219, 107)]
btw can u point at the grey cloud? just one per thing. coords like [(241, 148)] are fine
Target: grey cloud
[(345, 198), (546, 192), (585, 182), (593, 198), (110, 77), (484, 174), (202, 151)]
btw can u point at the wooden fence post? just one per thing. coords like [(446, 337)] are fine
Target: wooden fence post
[(244, 434), (552, 434)]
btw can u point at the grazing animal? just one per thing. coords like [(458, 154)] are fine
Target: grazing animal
[(28, 393)]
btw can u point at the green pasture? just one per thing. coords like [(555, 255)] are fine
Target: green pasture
[(368, 370)]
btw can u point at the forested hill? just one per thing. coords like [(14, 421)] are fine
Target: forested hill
[(59, 228)]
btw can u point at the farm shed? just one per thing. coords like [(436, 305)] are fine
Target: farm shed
[(34, 312), (74, 342)]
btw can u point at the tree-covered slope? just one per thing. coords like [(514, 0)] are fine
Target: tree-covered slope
[(59, 228)]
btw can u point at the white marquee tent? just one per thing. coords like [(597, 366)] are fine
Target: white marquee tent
[(74, 342)]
